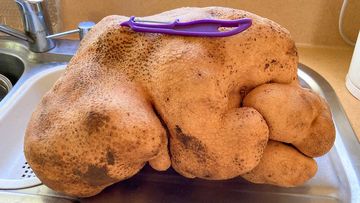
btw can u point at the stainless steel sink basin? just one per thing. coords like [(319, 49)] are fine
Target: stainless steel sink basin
[(19, 64), (11, 66), (337, 180)]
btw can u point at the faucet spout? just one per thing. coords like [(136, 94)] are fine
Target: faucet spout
[(35, 24), (37, 30), (15, 33)]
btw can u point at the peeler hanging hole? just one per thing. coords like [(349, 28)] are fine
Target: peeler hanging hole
[(225, 29)]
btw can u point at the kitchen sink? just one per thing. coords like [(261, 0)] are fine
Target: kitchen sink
[(24, 69), (18, 64), (15, 171), (11, 67), (337, 180)]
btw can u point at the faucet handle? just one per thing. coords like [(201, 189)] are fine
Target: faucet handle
[(83, 29), (34, 1)]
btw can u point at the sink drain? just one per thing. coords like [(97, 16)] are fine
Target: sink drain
[(5, 86)]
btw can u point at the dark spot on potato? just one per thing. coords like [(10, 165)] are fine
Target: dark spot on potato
[(95, 120), (36, 157), (208, 175), (216, 51), (193, 144), (266, 66), (43, 122), (110, 157), (96, 176), (292, 50), (188, 141)]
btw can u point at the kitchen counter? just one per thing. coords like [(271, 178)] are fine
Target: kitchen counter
[(333, 64)]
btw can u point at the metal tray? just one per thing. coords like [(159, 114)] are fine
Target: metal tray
[(337, 179)]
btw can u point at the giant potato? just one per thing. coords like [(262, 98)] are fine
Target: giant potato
[(129, 98)]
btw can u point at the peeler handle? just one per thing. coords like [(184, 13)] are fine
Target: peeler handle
[(200, 28)]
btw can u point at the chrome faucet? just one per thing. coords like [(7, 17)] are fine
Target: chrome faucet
[(37, 31)]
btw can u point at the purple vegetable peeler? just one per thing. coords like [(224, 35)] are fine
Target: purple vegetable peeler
[(199, 28)]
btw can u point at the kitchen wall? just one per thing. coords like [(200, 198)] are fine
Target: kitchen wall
[(10, 15), (311, 22)]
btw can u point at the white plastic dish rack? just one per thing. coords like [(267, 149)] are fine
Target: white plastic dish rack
[(15, 173)]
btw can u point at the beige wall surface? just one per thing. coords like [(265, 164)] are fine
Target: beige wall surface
[(313, 22), (309, 21), (10, 15)]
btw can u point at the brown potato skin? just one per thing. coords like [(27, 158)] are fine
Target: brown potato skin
[(282, 165), (295, 115), (199, 156), (128, 98), (79, 148)]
